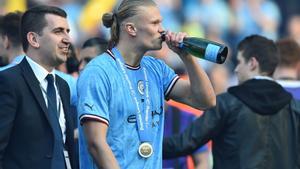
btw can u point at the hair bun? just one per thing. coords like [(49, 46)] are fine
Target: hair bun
[(108, 19)]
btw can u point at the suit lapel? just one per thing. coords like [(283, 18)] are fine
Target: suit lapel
[(34, 86)]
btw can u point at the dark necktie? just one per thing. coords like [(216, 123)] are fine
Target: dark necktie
[(51, 95), (58, 161)]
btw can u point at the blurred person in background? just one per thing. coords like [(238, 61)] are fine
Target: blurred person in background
[(10, 40), (294, 28), (253, 125), (72, 63), (288, 70), (122, 92), (3, 60), (90, 49)]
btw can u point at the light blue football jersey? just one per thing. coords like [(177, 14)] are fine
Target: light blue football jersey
[(104, 95)]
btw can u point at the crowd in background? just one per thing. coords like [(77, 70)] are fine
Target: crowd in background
[(224, 21)]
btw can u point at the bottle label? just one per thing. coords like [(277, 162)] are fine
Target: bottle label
[(211, 52)]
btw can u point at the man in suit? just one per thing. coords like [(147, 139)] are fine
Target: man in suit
[(36, 127)]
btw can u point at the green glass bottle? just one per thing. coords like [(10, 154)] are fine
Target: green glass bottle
[(205, 49)]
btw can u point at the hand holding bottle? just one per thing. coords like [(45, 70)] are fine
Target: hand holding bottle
[(174, 40), (201, 48)]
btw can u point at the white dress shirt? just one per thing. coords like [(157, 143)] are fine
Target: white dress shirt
[(41, 73)]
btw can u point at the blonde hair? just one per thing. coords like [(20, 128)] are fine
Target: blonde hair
[(127, 9)]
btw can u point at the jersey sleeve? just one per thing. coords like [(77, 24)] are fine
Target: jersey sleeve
[(93, 90), (169, 78)]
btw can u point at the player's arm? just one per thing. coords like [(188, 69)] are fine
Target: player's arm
[(95, 134), (197, 91)]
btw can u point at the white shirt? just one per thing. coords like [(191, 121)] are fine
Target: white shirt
[(263, 78), (41, 73)]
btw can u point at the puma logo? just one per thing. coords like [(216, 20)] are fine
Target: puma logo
[(89, 106)]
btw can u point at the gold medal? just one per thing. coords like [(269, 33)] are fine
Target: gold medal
[(145, 150)]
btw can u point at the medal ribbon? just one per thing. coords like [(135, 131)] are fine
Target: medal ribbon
[(142, 123)]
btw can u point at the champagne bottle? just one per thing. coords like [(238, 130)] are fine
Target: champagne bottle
[(204, 49)]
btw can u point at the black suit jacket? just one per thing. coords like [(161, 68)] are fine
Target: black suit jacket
[(26, 135)]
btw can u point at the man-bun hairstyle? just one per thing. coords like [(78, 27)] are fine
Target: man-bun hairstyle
[(108, 19), (127, 9)]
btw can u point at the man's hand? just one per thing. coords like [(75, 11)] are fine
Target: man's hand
[(174, 40)]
